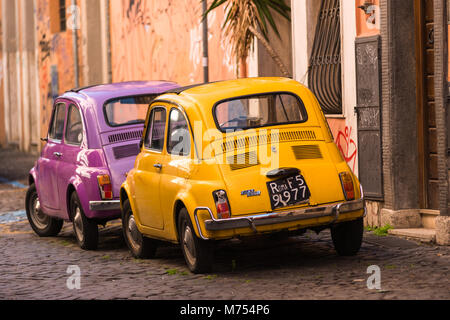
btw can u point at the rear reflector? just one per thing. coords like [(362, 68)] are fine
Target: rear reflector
[(104, 183), (347, 185), (222, 206)]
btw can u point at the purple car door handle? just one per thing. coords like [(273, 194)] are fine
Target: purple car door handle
[(57, 154)]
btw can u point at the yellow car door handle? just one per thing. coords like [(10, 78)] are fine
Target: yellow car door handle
[(158, 166)]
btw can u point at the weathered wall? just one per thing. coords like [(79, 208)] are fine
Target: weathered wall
[(162, 40), (2, 77), (55, 61), (282, 46)]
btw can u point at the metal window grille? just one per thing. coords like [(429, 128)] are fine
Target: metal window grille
[(325, 63)]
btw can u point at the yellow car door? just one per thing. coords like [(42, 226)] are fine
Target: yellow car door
[(178, 160), (149, 171)]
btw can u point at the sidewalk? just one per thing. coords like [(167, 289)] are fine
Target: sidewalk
[(14, 169), (15, 165)]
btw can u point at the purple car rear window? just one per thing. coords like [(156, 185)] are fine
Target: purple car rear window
[(127, 110)]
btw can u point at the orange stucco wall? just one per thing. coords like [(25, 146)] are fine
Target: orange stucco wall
[(162, 40), (54, 51)]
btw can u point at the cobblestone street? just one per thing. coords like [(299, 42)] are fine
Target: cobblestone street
[(304, 267)]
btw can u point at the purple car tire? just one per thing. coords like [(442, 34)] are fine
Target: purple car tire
[(42, 224)]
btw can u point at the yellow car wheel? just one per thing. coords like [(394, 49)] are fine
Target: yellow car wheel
[(198, 253), (140, 246), (347, 237)]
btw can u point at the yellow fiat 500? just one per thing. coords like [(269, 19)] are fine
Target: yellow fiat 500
[(234, 159)]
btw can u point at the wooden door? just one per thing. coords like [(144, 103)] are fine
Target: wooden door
[(426, 119)]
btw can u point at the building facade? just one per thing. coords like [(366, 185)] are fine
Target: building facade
[(390, 120)]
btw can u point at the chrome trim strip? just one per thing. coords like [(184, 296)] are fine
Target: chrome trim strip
[(278, 217), (104, 205)]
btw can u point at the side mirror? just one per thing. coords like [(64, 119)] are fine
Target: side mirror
[(141, 143), (44, 139)]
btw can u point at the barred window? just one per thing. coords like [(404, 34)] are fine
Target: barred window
[(325, 63)]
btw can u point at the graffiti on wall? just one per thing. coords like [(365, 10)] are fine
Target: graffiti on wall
[(347, 146), (153, 39), (345, 139)]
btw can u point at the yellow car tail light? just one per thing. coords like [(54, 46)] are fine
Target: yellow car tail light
[(104, 183), (222, 205), (347, 185)]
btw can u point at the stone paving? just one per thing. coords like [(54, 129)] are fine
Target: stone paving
[(304, 267), (271, 268)]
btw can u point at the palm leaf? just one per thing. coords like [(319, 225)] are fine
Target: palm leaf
[(248, 18)]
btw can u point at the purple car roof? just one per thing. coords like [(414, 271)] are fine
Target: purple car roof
[(105, 92), (92, 99)]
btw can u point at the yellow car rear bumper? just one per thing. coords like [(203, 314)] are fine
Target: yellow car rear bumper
[(334, 213)]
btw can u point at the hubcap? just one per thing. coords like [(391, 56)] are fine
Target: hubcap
[(78, 224), (40, 219), (133, 233), (189, 246)]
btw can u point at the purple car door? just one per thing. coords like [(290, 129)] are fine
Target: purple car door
[(71, 148), (50, 161)]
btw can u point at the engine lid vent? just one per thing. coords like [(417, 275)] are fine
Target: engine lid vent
[(244, 160), (125, 136), (274, 137), (307, 152)]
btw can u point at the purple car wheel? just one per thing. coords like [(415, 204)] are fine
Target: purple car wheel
[(86, 231), (42, 224), (140, 246)]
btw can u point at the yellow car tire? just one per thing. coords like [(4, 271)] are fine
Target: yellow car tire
[(347, 237), (198, 253), (140, 246)]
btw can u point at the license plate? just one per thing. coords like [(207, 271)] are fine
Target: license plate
[(288, 192)]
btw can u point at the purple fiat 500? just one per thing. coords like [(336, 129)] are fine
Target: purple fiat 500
[(92, 142)]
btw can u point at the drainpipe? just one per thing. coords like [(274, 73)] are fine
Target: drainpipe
[(75, 45), (205, 43), (108, 41)]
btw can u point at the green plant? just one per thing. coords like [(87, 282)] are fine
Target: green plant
[(211, 277), (171, 272), (247, 19), (380, 231), (65, 243), (390, 266)]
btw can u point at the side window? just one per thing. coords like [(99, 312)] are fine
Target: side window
[(74, 128), (178, 136), (157, 128), (57, 127)]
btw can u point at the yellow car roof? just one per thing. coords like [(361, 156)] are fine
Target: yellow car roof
[(206, 95)]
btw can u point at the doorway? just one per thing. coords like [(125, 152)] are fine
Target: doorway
[(426, 118)]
